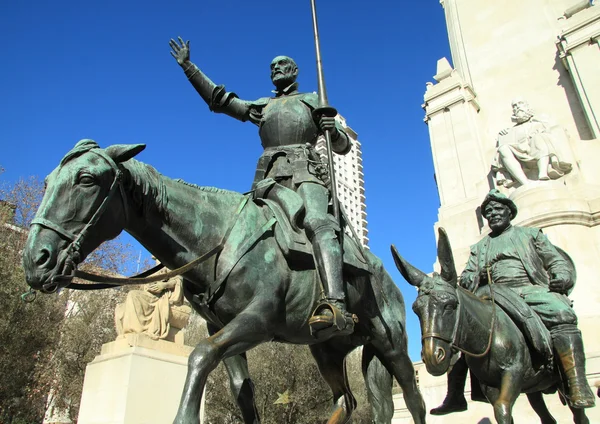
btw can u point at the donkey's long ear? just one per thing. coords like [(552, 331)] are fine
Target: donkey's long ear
[(123, 152), (445, 257), (411, 274)]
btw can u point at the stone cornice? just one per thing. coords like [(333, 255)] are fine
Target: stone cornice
[(447, 93), (550, 219), (585, 30)]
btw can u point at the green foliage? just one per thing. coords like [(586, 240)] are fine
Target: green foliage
[(47, 344), (29, 331)]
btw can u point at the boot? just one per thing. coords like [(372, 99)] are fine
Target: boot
[(569, 347), (330, 315), (455, 398)]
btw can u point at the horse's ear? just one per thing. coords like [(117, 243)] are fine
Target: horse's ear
[(411, 274), (445, 257), (123, 152)]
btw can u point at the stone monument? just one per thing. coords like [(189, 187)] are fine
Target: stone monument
[(139, 377), (547, 52)]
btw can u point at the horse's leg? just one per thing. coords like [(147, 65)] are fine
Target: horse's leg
[(379, 387), (579, 416), (536, 400), (330, 357), (242, 388), (399, 363), (233, 339), (391, 345)]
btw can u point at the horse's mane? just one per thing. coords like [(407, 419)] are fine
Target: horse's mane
[(147, 189), (205, 188), (143, 181)]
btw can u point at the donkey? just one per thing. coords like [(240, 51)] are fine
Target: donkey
[(454, 319), (247, 291)]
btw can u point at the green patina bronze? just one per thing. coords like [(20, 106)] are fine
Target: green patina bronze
[(289, 124), (509, 315), (250, 292)]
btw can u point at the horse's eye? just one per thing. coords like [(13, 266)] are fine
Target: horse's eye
[(449, 306), (86, 180)]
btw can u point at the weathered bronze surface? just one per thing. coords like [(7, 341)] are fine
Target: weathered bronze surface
[(509, 330), (289, 125), (249, 293)]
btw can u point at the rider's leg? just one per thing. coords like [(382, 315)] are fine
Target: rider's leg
[(455, 397), (559, 317), (568, 344), (512, 165), (321, 230)]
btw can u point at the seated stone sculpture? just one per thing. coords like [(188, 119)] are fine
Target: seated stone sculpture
[(156, 311), (530, 150)]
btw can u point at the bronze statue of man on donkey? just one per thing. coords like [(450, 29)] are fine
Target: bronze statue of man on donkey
[(510, 316)]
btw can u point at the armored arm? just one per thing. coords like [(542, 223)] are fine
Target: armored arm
[(340, 142), (215, 96)]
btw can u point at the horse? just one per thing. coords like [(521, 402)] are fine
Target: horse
[(454, 319), (96, 193)]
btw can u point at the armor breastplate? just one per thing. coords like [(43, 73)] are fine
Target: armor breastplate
[(287, 120)]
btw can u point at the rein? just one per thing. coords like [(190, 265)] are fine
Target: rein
[(452, 341), (73, 250), (144, 277), (105, 281)]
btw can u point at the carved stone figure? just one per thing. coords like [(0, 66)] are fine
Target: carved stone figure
[(515, 265), (529, 150), (288, 132), (157, 311)]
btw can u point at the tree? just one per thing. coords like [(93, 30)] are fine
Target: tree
[(47, 344), (28, 330)]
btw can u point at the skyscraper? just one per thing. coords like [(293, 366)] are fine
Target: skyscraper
[(350, 182)]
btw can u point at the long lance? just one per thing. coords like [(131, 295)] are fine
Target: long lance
[(325, 109)]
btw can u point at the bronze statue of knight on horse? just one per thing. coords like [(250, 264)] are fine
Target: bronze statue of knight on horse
[(241, 266)]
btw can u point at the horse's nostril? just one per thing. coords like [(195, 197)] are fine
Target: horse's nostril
[(43, 257), (440, 354)]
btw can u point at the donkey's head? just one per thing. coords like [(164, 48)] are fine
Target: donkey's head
[(436, 305), (84, 205)]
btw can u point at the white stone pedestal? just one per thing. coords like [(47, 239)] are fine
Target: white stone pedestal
[(135, 380)]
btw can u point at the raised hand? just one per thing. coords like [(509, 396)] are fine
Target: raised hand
[(180, 50)]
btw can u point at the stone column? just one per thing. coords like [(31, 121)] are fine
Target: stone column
[(457, 46), (461, 169), (579, 49)]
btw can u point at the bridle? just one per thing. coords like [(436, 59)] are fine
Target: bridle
[(148, 276), (452, 340), (73, 250)]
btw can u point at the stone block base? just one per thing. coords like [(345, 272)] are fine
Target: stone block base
[(135, 380)]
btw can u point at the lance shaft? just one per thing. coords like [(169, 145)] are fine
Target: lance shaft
[(325, 109)]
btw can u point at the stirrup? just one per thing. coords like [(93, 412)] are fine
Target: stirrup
[(328, 320)]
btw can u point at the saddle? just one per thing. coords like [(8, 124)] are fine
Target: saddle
[(287, 207), (536, 334)]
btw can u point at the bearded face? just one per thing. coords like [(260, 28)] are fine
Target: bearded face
[(521, 111)]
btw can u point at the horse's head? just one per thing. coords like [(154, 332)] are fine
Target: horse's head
[(436, 306), (83, 206)]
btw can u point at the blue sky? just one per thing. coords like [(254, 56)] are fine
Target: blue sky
[(102, 70)]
